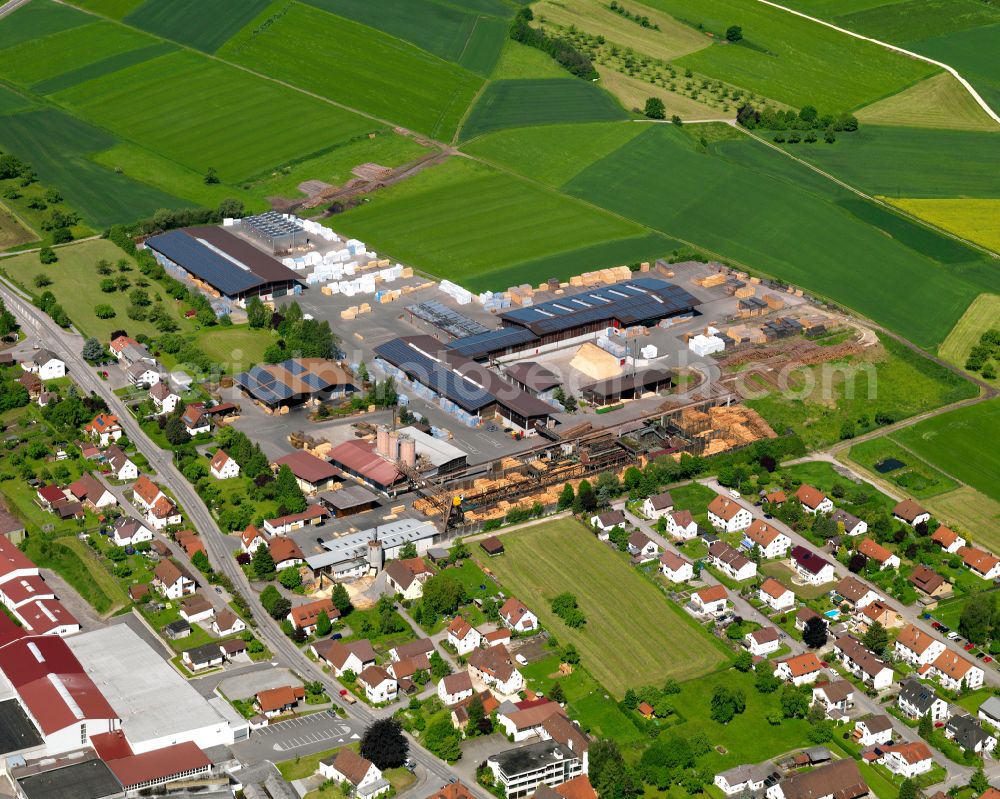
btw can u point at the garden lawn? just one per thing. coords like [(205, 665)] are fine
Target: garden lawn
[(748, 738), (596, 712), (205, 114), (468, 34), (747, 202), (962, 443), (358, 66), (791, 59), (917, 477), (633, 636), (981, 316), (201, 24), (75, 284), (472, 577), (463, 221), (539, 101)]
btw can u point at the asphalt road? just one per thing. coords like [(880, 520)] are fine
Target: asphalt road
[(69, 345)]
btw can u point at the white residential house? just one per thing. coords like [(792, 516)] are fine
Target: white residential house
[(911, 513), (227, 623), (45, 364), (455, 688), (955, 672), (657, 506), (463, 636), (163, 514), (171, 580), (762, 642), (104, 429), (128, 532), (142, 373), (355, 656), (852, 524), (863, 663), (736, 780), (908, 759), (223, 467), (836, 698), (917, 647), (801, 669), (608, 521), (379, 686), (731, 562), (811, 568), (775, 595), (917, 699), (164, 398), (711, 600), (361, 774), (196, 608), (675, 568), (875, 551), (195, 420), (251, 538), (516, 616), (728, 515), (772, 542), (813, 500), (681, 524), (873, 730), (642, 547), (968, 733), (948, 539), (122, 467)]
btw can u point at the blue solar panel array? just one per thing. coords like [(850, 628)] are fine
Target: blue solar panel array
[(263, 385), (439, 378), (204, 263), (482, 344), (632, 302)]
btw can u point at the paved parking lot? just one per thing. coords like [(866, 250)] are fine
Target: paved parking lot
[(299, 736), (246, 685)]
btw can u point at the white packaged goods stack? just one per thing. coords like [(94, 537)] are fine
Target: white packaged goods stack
[(705, 345), (289, 262), (228, 222), (313, 258), (649, 351), (355, 247), (334, 288)]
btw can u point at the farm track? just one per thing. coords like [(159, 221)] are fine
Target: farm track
[(950, 69)]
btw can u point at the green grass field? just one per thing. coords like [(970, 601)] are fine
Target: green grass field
[(75, 284), (520, 61), (57, 146), (201, 24), (906, 162), (519, 103), (896, 381), (633, 636), (973, 52), (918, 19), (204, 114), (553, 154), (791, 59), (359, 66), (982, 315), (469, 36), (37, 19), (962, 443), (104, 66), (465, 221), (971, 510), (116, 9), (79, 567), (917, 477), (749, 203), (939, 101)]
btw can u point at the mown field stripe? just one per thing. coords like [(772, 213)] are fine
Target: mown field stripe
[(103, 67)]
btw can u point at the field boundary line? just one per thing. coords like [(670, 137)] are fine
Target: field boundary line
[(864, 195), (947, 67)]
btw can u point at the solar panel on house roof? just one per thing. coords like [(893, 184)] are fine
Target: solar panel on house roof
[(314, 381), (294, 367)]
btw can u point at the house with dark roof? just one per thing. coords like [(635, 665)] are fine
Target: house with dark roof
[(407, 576), (455, 688), (917, 699), (534, 378), (364, 777), (295, 382), (838, 780), (608, 521), (810, 567), (202, 657), (925, 579), (343, 656), (493, 667), (658, 505), (45, 364), (850, 523), (164, 398), (836, 697), (491, 546), (733, 563), (122, 467), (968, 733), (910, 512)]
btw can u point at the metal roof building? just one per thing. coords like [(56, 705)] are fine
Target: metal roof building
[(349, 553), (294, 380), (641, 301), (229, 265)]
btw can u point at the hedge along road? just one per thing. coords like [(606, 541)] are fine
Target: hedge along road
[(968, 86)]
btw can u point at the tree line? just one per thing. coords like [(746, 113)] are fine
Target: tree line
[(563, 51)]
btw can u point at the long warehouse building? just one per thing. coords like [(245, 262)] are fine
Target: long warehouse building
[(461, 383), (229, 266), (641, 301)]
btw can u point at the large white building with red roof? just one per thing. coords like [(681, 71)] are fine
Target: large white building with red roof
[(29, 598)]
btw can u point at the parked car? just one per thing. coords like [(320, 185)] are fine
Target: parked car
[(521, 659), (336, 636), (987, 659), (347, 696), (968, 647)]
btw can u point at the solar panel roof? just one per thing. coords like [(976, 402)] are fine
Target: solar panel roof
[(203, 262), (483, 344), (435, 375)]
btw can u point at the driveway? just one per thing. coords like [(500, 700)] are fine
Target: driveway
[(248, 684)]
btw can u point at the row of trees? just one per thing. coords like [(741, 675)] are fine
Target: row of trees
[(571, 59), (808, 118), (984, 354)]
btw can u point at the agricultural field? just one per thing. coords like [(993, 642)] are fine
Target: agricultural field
[(915, 476), (56, 145), (907, 162), (971, 510), (202, 24), (465, 221), (520, 61), (204, 114), (553, 154), (116, 9), (749, 204), (973, 53), (633, 93), (673, 39), (911, 20), (471, 35), (959, 443), (982, 315), (939, 101), (790, 59), (521, 103), (38, 19), (12, 232), (358, 66), (637, 639), (822, 404), (976, 220)]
